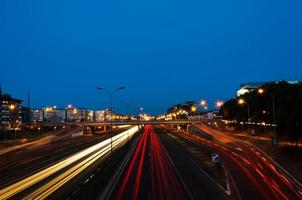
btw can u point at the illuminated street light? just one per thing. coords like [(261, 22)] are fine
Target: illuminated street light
[(193, 109), (110, 93), (241, 101), (12, 107), (69, 106), (260, 91), (203, 103), (219, 104)]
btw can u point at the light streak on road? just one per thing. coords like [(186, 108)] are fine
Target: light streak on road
[(164, 181), (97, 151), (260, 169)]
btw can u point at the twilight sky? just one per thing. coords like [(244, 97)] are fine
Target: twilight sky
[(163, 51)]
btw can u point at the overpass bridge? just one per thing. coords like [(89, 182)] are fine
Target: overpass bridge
[(119, 123), (103, 126), (141, 122), (91, 126)]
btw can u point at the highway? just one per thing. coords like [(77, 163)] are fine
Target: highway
[(167, 161), (162, 163), (255, 175), (43, 183), (160, 169), (20, 161)]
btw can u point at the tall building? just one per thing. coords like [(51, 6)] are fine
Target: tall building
[(10, 111)]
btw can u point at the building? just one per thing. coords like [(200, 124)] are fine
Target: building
[(103, 115), (37, 115), (250, 86), (53, 114), (10, 111)]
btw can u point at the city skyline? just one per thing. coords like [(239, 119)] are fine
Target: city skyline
[(205, 51)]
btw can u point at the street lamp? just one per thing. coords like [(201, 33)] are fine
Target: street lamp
[(12, 107), (242, 102), (261, 91), (219, 104), (110, 93), (203, 103)]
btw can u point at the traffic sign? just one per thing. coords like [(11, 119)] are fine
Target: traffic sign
[(215, 158)]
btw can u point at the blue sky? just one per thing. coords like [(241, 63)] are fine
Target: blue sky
[(164, 52)]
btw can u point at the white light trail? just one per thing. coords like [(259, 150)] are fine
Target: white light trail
[(99, 150)]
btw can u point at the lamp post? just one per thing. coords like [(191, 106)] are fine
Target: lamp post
[(203, 104), (218, 104), (12, 109), (110, 93), (241, 102), (261, 91)]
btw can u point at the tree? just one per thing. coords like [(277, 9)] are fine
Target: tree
[(288, 108)]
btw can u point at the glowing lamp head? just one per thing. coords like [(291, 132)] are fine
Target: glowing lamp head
[(241, 101), (260, 91), (219, 104), (12, 107), (203, 102), (193, 109)]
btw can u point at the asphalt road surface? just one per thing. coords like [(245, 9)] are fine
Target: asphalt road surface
[(43, 182), (159, 168), (255, 175)]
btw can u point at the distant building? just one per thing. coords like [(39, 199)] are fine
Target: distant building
[(37, 115), (250, 86), (10, 111), (102, 115), (53, 114), (77, 115)]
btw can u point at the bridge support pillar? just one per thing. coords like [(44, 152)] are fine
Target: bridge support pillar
[(89, 130), (105, 128), (187, 128)]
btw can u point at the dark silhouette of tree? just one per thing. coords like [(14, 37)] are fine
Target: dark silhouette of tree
[(288, 108)]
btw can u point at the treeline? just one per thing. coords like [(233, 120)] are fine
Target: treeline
[(284, 98)]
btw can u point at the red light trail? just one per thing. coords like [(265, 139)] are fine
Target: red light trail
[(164, 183)]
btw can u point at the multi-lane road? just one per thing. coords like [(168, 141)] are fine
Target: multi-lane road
[(170, 164), (162, 163), (263, 176), (38, 178)]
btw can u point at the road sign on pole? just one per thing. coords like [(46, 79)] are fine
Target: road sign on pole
[(215, 158)]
